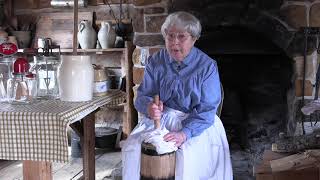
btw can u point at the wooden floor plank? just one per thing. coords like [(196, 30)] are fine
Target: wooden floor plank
[(106, 164), (5, 163), (12, 172), (69, 170), (106, 161)]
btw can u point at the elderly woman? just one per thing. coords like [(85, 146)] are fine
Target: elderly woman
[(187, 81)]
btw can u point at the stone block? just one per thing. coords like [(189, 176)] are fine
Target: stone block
[(314, 15), (154, 23), (138, 20), (136, 56), (140, 56), (298, 88), (143, 40), (102, 12), (145, 2), (294, 15), (138, 73), (311, 66)]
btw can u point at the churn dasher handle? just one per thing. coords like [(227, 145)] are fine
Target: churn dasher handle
[(156, 100)]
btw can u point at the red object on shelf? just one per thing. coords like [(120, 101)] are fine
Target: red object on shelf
[(20, 66), (8, 49)]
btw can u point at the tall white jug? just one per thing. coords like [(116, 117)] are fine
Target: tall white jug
[(87, 36), (75, 77), (106, 35)]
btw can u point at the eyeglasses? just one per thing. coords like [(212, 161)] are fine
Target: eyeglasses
[(180, 36)]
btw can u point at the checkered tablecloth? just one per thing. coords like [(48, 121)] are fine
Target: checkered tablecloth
[(38, 131)]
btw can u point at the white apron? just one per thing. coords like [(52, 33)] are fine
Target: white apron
[(204, 157)]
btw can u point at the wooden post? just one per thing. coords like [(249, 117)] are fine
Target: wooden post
[(75, 27), (88, 147), (131, 114), (37, 170), (86, 132)]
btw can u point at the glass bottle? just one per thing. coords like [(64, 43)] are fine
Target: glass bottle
[(6, 64), (17, 89), (3, 91), (32, 86)]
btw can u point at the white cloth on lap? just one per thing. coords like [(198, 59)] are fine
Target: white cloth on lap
[(204, 157), (155, 137)]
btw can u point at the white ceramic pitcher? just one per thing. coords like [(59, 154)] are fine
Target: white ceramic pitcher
[(106, 35), (87, 36)]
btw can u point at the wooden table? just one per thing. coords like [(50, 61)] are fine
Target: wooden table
[(37, 133)]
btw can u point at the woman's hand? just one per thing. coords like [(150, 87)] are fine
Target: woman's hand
[(178, 137), (155, 111)]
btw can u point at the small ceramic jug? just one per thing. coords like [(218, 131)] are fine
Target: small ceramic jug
[(100, 85), (106, 35), (87, 36)]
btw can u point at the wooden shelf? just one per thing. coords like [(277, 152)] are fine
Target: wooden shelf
[(84, 51), (97, 51)]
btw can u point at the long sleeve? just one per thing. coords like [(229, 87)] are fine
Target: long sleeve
[(147, 89), (203, 114)]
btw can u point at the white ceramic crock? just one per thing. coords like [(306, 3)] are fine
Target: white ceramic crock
[(75, 77)]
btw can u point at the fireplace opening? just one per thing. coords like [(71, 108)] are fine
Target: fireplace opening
[(255, 97), (256, 76)]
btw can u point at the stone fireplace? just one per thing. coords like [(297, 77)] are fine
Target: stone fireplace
[(259, 50)]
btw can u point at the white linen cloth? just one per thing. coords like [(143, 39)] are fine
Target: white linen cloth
[(204, 157), (155, 137)]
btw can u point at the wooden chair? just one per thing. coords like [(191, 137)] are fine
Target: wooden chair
[(221, 103)]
